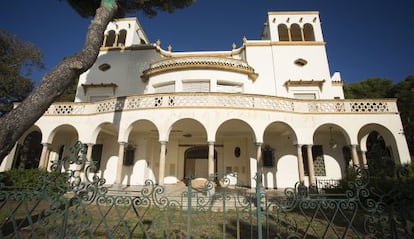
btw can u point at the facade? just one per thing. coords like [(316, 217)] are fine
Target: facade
[(269, 106)]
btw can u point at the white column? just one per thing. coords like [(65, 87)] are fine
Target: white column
[(120, 165), (355, 159), (311, 168), (43, 156), (364, 159), (89, 152), (259, 163), (211, 165), (301, 169), (161, 170)]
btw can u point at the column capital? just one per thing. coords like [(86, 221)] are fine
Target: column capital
[(211, 142), (309, 145), (163, 142), (258, 144), (122, 143)]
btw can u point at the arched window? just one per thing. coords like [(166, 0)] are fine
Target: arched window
[(295, 32), (308, 32), (110, 39), (283, 32), (122, 37)]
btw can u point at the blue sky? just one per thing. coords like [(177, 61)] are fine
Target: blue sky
[(365, 38)]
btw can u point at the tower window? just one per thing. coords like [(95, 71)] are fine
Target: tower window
[(122, 37), (110, 39), (283, 32), (308, 32), (295, 32)]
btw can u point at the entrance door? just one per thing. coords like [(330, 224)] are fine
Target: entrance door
[(196, 162), (197, 167)]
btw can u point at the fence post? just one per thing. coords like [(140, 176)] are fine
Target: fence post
[(189, 206), (259, 205)]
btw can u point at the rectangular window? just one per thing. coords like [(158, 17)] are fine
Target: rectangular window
[(318, 160), (196, 86), (94, 98), (305, 96), (97, 156), (165, 88), (223, 86)]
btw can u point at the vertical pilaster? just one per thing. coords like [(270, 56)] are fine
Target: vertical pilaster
[(120, 165), (311, 168), (161, 170), (364, 158), (259, 163), (44, 157), (355, 159), (301, 169), (211, 165)]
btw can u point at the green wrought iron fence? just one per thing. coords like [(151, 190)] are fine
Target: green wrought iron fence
[(73, 202)]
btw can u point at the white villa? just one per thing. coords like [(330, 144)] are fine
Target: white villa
[(270, 106)]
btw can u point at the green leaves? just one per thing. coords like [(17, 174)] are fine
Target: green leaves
[(372, 88), (17, 59)]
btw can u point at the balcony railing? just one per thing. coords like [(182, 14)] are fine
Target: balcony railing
[(225, 100)]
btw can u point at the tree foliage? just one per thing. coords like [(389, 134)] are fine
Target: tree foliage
[(17, 59), (404, 92), (368, 89)]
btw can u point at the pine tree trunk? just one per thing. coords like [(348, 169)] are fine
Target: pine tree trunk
[(19, 120)]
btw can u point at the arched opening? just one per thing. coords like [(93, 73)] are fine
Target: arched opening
[(122, 37), (295, 32), (308, 33), (196, 162), (110, 39), (28, 153), (283, 32), (376, 148)]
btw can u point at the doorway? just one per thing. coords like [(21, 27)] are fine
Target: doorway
[(196, 162)]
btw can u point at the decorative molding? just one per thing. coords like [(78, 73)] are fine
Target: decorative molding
[(101, 85), (318, 83), (184, 63)]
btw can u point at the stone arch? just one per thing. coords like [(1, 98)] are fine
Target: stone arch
[(61, 139), (280, 140), (384, 140), (184, 134), (328, 142), (232, 134)]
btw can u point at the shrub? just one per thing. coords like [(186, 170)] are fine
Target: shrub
[(34, 179)]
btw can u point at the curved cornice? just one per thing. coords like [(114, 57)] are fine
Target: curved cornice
[(199, 62)]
